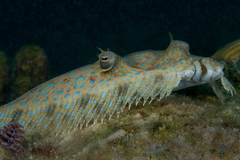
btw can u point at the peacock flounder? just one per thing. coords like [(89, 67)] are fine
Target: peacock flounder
[(96, 91), (87, 94)]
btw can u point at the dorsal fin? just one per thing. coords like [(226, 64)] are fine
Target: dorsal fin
[(177, 49), (171, 37), (100, 49)]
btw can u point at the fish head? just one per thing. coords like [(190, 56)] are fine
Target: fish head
[(197, 70), (211, 69)]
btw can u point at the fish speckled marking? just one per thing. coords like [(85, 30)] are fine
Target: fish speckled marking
[(193, 70), (87, 94), (98, 90)]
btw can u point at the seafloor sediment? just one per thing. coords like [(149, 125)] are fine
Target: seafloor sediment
[(177, 127)]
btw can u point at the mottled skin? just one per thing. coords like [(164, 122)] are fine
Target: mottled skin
[(151, 59), (86, 94), (98, 90)]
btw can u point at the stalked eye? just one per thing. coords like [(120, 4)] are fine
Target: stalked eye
[(104, 59)]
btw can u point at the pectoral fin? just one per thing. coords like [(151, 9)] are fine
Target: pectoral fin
[(217, 91)]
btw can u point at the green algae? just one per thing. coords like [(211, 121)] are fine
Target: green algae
[(168, 130), (30, 68), (4, 76)]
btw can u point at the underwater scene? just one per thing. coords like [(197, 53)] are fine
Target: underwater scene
[(120, 80)]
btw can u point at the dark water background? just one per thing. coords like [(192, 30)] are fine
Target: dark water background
[(69, 31)]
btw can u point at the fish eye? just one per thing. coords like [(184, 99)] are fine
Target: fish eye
[(104, 59)]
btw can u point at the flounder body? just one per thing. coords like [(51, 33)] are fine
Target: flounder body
[(87, 94), (99, 90)]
